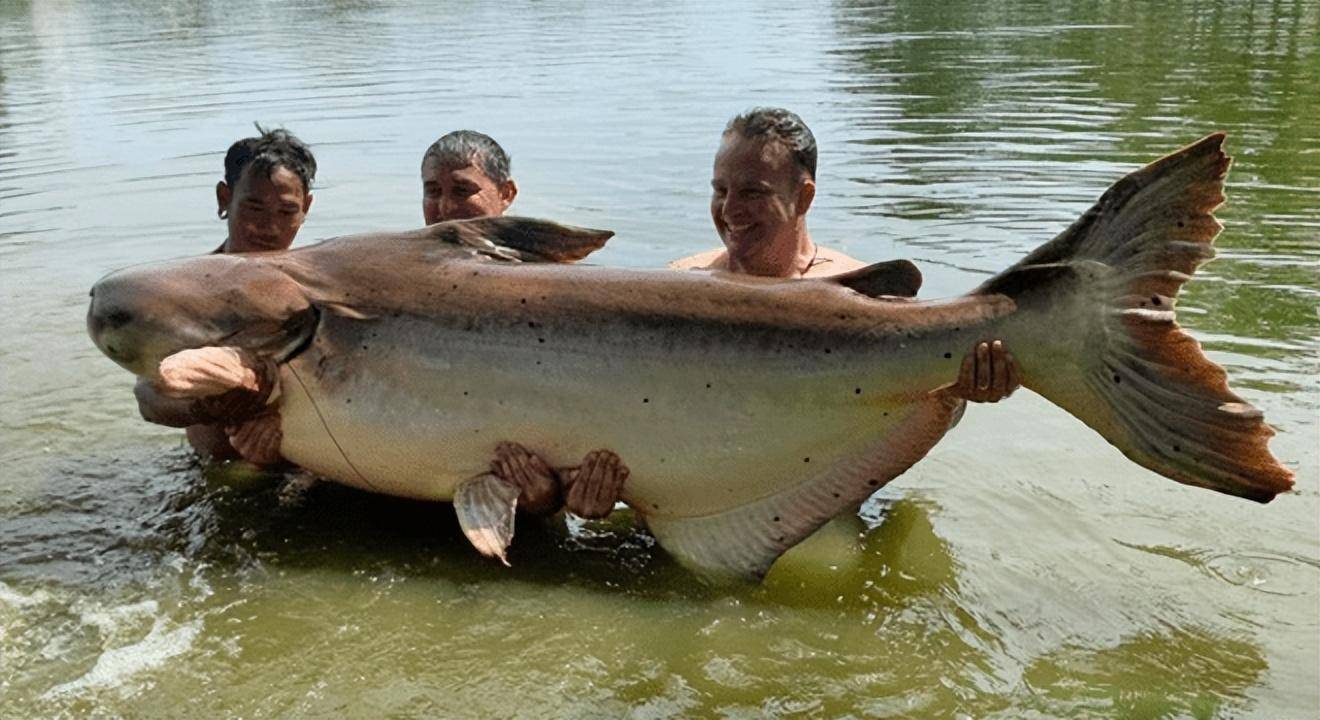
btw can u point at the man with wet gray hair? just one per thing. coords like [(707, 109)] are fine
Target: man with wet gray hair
[(465, 174)]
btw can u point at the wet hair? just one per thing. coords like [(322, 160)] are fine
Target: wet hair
[(271, 149), (469, 147), (783, 126)]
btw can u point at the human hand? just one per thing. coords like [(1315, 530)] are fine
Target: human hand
[(592, 488), (989, 374), (205, 372), (539, 487), (258, 440)]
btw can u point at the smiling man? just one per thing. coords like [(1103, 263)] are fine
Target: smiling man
[(763, 184), (465, 174)]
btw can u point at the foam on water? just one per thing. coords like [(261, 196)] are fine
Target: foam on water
[(116, 665)]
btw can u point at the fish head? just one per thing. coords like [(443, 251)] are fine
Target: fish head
[(141, 315)]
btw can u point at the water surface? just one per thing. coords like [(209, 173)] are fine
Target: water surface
[(1024, 570)]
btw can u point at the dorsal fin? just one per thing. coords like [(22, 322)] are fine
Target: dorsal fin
[(895, 278), (519, 239)]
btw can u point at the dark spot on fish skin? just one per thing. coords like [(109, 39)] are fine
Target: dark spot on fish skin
[(348, 401), (538, 362), (1117, 379), (364, 347), (886, 414), (1155, 300), (654, 506), (857, 391), (779, 539), (531, 324), (542, 298), (465, 393), (1180, 223), (836, 495), (455, 287), (957, 329), (646, 400), (474, 273), (523, 301), (776, 518), (540, 339), (827, 351), (806, 459), (872, 482), (1177, 448), (707, 386), (948, 355)]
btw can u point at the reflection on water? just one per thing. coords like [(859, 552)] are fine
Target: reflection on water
[(1025, 569)]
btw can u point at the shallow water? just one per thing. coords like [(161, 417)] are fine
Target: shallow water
[(1023, 570)]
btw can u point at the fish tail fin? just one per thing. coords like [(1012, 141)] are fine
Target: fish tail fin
[(1108, 284)]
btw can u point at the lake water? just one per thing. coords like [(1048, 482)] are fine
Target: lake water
[(1024, 570)]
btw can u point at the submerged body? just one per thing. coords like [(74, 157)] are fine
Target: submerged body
[(750, 411)]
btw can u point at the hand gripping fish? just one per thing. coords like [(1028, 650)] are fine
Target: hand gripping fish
[(749, 411)]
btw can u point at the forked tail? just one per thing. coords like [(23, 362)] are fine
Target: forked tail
[(1107, 287)]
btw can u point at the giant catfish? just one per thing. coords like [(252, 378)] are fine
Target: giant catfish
[(749, 411)]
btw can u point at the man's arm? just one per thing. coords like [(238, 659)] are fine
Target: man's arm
[(217, 386)]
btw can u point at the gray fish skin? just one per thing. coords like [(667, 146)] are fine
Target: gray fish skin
[(749, 411)]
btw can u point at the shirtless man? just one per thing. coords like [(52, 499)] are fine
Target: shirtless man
[(264, 199), (763, 184), (465, 174)]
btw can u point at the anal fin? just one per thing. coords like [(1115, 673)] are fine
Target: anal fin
[(742, 543), (486, 507)]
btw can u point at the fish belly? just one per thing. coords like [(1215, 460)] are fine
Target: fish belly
[(411, 408)]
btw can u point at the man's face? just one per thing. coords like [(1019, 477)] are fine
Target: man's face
[(451, 192), (758, 200), (264, 212)]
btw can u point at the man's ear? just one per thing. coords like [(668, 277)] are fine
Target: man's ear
[(222, 197), (508, 191), (806, 193), (307, 203)]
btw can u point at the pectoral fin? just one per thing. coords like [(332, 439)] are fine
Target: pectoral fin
[(485, 505)]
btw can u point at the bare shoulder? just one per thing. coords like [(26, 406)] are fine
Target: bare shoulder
[(716, 259), (832, 262)]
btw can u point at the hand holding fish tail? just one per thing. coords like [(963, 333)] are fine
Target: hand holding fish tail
[(592, 489), (538, 483), (989, 374)]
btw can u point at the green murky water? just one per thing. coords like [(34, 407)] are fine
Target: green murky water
[(1023, 570)]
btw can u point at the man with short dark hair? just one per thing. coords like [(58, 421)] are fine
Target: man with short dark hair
[(266, 192), (763, 184), (264, 199)]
